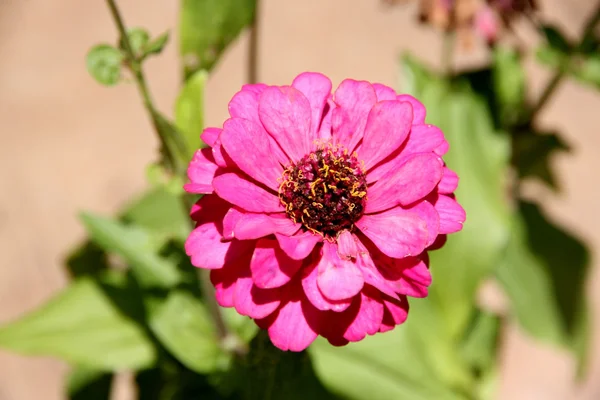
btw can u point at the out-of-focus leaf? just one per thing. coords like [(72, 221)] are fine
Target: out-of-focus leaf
[(138, 39), (480, 156), (87, 259), (184, 327), (269, 373), (556, 39), (189, 110), (417, 360), (85, 326), (156, 45), (207, 27), (104, 64), (588, 70), (161, 212), (551, 57), (137, 246), (89, 384), (175, 142), (532, 154), (509, 84), (543, 274), (480, 345)]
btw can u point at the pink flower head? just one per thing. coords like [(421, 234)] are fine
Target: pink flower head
[(319, 208), (487, 24)]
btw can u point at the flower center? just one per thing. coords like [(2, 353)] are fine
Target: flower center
[(325, 191)]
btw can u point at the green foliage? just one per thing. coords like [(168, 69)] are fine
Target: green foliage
[(141, 45), (137, 246), (156, 45), (85, 326), (89, 384), (104, 64), (543, 273), (189, 110), (207, 27), (509, 85), (480, 155)]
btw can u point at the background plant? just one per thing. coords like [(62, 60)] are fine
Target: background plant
[(135, 302)]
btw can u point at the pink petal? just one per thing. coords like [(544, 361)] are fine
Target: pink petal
[(427, 212), (347, 247), (244, 104), (230, 221), (452, 215), (337, 279), (395, 313), (257, 88), (295, 325), (384, 92), (221, 157), (314, 295), (369, 317), (413, 180), (235, 189), (408, 276), (201, 172), (209, 135), (372, 275), (252, 301), (300, 245), (449, 181), (419, 111), (254, 226), (210, 208), (354, 100), (249, 147), (421, 139), (397, 233), (317, 89), (285, 113), (207, 250), (224, 280), (387, 127), (270, 266), (325, 129)]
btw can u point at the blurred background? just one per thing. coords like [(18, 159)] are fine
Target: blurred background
[(69, 144)]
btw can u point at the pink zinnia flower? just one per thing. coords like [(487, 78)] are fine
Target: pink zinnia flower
[(319, 208)]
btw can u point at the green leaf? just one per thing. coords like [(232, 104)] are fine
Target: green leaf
[(551, 57), (160, 212), (543, 273), (184, 327), (138, 39), (509, 84), (104, 64), (207, 27), (137, 246), (89, 384), (532, 153), (588, 70), (86, 259), (556, 39), (417, 360), (157, 45), (480, 155), (83, 325), (189, 110), (481, 342)]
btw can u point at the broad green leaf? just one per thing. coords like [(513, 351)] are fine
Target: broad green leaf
[(481, 342), (156, 45), (551, 57), (89, 384), (480, 155), (86, 259), (189, 110), (417, 360), (160, 212), (104, 64), (588, 70), (543, 274), (183, 325), (138, 39), (509, 84), (207, 27), (532, 152), (556, 39), (135, 245), (83, 325)]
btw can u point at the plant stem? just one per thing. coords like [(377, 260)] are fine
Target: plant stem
[(556, 80), (135, 66), (448, 52), (253, 46)]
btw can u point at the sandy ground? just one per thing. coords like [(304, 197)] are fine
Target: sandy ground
[(69, 144)]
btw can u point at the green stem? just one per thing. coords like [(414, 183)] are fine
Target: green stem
[(557, 79), (253, 46), (448, 52), (135, 66)]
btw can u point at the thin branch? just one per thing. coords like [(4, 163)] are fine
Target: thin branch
[(253, 46)]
